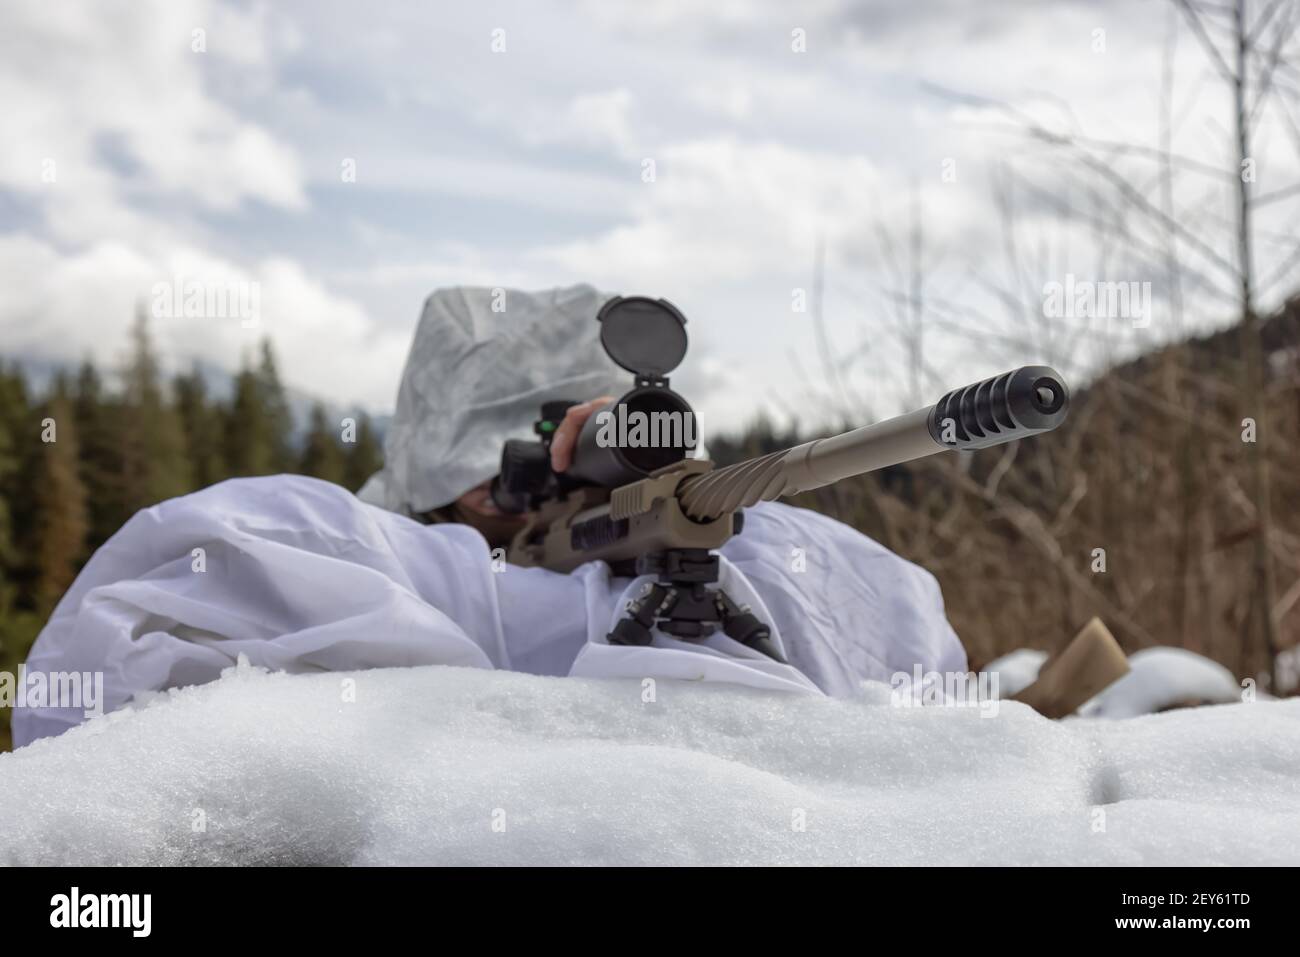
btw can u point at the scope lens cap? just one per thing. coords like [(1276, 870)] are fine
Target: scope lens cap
[(647, 337)]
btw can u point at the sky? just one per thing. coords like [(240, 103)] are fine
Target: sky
[(346, 159)]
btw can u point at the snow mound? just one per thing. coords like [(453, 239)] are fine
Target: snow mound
[(1164, 678), (1160, 678), (440, 765)]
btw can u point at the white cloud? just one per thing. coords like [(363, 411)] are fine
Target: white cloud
[(124, 78), (524, 169), (601, 120), (730, 209), (125, 75), (80, 305)]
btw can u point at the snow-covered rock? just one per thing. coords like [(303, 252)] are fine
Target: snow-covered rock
[(1159, 678), (1164, 678), (440, 765)]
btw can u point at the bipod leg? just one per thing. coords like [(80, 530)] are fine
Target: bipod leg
[(741, 624), (634, 627)]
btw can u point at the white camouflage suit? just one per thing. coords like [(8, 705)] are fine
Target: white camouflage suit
[(300, 575)]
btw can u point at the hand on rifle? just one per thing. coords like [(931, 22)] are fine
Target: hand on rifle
[(566, 436)]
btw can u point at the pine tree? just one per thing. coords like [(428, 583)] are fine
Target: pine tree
[(21, 417), (8, 466), (155, 466), (322, 457), (57, 539), (15, 415), (277, 414), (247, 445), (98, 420), (18, 625), (364, 456), (201, 423)]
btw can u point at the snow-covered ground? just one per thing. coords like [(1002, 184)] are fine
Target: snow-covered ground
[(453, 766)]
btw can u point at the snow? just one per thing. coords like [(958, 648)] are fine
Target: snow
[(440, 765), (1016, 671), (1287, 667), (1160, 678), (1164, 678)]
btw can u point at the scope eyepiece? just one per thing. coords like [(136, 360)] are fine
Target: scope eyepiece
[(525, 475)]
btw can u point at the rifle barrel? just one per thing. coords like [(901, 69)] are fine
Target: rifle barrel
[(1003, 408)]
